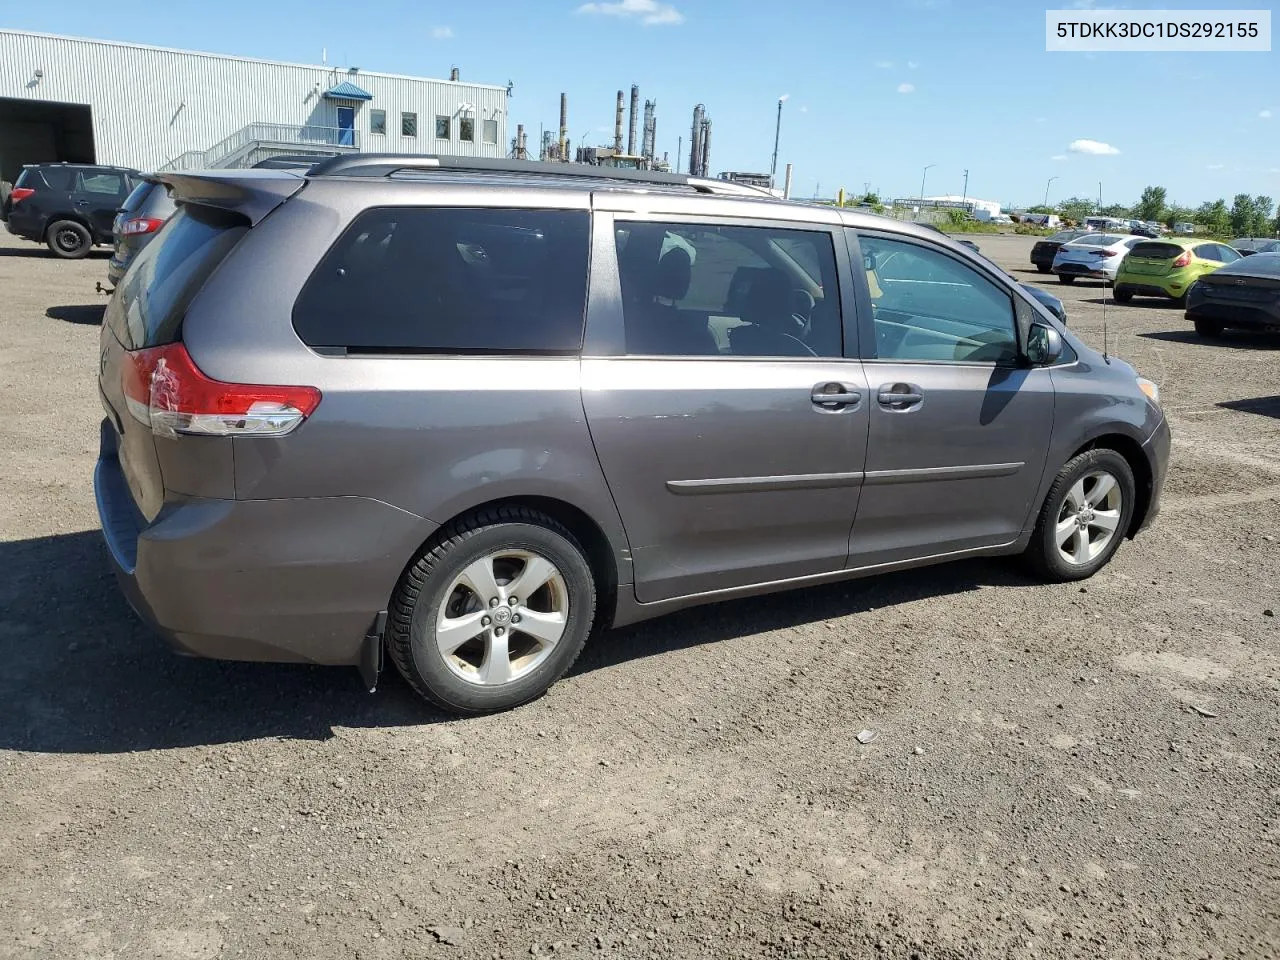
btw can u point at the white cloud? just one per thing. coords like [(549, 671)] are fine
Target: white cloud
[(1095, 147), (1058, 156), (906, 88), (911, 65), (1215, 166), (785, 97), (442, 33), (884, 64), (804, 109), (649, 12), (1264, 115)]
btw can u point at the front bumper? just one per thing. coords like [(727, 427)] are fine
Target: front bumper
[(297, 580), (1157, 451)]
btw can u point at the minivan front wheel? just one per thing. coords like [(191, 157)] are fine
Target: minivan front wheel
[(68, 239), (1084, 517), (494, 612)]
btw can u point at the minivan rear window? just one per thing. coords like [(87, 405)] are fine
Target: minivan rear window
[(166, 275), (451, 280), (1156, 251)]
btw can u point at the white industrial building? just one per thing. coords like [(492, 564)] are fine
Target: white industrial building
[(78, 100)]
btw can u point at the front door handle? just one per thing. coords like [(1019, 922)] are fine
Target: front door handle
[(835, 395), (900, 396)]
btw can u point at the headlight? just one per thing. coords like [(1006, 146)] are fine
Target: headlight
[(1150, 389)]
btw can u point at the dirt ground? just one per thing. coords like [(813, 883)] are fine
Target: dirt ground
[(1070, 771)]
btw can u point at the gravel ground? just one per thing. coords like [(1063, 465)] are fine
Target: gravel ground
[(1068, 771)]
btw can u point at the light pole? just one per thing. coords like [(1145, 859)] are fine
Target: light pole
[(964, 195), (922, 179), (777, 136), (1046, 190), (1099, 196)]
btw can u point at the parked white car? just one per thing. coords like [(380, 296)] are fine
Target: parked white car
[(1095, 255)]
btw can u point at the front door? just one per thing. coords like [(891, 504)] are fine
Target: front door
[(346, 126), (730, 426), (959, 427)]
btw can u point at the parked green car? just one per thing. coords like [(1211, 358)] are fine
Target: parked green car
[(1168, 267)]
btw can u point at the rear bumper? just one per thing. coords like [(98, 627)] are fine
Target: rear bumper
[(272, 580), (116, 270), (24, 228), (1242, 315), (1146, 286), (1157, 451), (1072, 269)]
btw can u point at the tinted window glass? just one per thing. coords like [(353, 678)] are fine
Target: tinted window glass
[(1064, 237), (377, 121), (167, 274), (139, 195), (1226, 254), (1095, 240), (1207, 251), (711, 290), (58, 178), (466, 129), (442, 128), (109, 184), (451, 281), (1156, 251), (930, 306), (408, 124)]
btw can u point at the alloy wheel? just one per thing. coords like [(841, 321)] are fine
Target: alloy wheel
[(1089, 518)]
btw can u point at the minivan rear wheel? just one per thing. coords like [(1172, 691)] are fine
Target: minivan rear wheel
[(1084, 517), (68, 239), (494, 612)]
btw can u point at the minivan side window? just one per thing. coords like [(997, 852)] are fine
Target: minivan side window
[(928, 306), (709, 290), (449, 280)]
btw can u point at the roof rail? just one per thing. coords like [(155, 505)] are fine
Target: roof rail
[(387, 164)]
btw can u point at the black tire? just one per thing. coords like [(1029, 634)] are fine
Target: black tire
[(411, 635), (1208, 328), (1122, 294), (1042, 553), (68, 239), (1066, 278), (1042, 268)]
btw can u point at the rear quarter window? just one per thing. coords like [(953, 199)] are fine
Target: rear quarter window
[(167, 274), (57, 178), (450, 280)]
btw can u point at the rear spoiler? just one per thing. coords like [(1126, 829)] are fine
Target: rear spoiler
[(251, 193)]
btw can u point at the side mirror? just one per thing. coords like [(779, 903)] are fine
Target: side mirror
[(1044, 345)]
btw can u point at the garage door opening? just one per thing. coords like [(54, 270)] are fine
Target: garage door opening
[(36, 131)]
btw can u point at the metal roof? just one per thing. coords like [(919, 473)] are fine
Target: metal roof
[(346, 90)]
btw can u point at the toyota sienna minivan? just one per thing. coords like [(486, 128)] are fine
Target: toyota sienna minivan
[(468, 412)]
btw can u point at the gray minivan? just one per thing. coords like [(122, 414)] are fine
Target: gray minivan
[(469, 411)]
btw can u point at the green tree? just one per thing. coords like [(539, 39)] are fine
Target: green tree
[(1242, 211), (1151, 206), (1178, 214), (1213, 216), (1262, 206), (1116, 210), (1076, 208), (1040, 208)]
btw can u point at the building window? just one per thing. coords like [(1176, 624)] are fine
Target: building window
[(442, 127), (490, 131), (408, 124), (378, 121), (467, 130)]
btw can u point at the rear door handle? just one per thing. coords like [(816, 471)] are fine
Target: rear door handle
[(900, 396), (834, 395)]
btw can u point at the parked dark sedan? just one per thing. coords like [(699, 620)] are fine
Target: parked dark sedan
[(1248, 246), (140, 218), (1045, 250), (1241, 294)]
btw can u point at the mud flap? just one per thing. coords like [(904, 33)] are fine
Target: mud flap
[(371, 652)]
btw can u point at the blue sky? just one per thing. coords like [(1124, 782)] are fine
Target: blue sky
[(875, 90)]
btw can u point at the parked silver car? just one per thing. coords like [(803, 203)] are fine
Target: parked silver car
[(470, 411)]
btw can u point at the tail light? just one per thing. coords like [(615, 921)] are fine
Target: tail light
[(1108, 253), (140, 225), (1184, 258), (166, 390), (18, 194)]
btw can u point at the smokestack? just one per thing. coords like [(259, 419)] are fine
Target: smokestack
[(694, 135), (520, 148), (617, 125), (786, 184), (453, 74), (564, 125), (646, 141), (706, 148), (631, 127)]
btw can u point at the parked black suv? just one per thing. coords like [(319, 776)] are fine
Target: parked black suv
[(69, 206)]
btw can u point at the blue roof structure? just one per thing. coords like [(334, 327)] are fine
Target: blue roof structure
[(347, 90)]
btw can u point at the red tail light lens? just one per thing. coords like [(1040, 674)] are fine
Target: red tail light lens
[(1107, 253), (140, 225), (166, 390), (1183, 259), (18, 194)]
